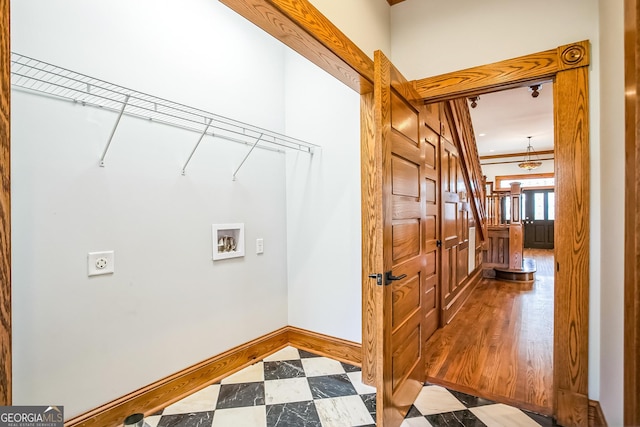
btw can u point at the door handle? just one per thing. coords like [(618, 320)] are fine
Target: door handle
[(390, 277), (438, 243)]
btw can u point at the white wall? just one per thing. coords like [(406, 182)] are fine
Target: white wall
[(366, 22), (491, 171), (81, 341), (438, 36), (612, 209), (323, 201)]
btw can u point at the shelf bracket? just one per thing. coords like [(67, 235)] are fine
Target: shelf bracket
[(204, 132), (113, 131), (247, 156)]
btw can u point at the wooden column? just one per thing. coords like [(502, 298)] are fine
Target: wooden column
[(516, 239), (5, 208)]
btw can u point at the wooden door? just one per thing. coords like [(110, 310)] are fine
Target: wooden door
[(451, 227), (431, 228), (539, 218), (400, 232)]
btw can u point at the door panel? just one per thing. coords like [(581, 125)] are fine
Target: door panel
[(406, 177), (400, 234), (404, 119), (406, 299), (406, 240)]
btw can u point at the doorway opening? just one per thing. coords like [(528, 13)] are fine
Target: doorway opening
[(500, 344)]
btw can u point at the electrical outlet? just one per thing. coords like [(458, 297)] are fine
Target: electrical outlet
[(259, 246), (100, 263)]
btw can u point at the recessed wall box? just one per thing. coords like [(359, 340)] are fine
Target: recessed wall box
[(228, 241)]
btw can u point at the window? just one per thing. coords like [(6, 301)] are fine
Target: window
[(551, 207), (538, 206)]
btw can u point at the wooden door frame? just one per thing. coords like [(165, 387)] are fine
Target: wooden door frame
[(5, 207), (632, 214), (303, 28), (567, 67)]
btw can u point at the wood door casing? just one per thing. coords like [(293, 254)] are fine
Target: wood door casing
[(400, 182), (567, 65), (5, 209), (632, 214)]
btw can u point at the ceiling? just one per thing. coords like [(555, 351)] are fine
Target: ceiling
[(502, 121)]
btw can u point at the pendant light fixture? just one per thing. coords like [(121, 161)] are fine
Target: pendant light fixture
[(529, 163)]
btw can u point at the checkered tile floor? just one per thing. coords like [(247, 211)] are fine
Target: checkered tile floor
[(294, 388)]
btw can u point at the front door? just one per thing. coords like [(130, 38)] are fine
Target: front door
[(400, 232), (539, 218)]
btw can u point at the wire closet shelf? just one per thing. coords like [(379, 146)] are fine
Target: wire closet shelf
[(33, 75)]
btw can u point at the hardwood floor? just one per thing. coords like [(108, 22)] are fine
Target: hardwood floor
[(500, 344)]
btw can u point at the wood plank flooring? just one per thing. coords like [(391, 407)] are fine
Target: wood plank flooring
[(500, 344)]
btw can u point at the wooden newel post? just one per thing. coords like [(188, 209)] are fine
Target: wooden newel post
[(516, 238)]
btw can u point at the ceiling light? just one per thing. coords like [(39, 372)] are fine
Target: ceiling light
[(529, 163)]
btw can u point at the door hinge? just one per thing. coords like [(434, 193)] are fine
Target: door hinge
[(378, 278)]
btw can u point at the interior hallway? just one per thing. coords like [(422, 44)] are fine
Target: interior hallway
[(500, 344)]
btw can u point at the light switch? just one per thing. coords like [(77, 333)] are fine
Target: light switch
[(259, 246)]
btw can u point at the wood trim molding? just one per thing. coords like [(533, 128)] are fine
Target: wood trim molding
[(371, 224), (168, 390), (571, 304), (304, 29), (325, 345), (470, 283), (632, 215), (505, 162), (5, 207), (596, 416), (502, 156), (535, 68)]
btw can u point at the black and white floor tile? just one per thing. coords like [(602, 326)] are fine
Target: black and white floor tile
[(294, 388)]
